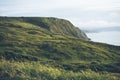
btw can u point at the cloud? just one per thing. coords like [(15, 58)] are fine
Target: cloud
[(37, 5), (94, 23), (80, 12)]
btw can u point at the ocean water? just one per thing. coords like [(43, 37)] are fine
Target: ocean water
[(109, 37)]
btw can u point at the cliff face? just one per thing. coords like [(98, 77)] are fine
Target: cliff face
[(53, 25)]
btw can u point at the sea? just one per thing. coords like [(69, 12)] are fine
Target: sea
[(109, 37)]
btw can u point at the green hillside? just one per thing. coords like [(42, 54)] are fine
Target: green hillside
[(53, 25), (38, 48)]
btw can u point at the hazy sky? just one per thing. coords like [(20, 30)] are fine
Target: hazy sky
[(82, 13)]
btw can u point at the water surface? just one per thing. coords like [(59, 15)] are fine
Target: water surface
[(109, 37)]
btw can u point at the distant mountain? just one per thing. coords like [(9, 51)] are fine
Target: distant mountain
[(101, 29), (42, 48)]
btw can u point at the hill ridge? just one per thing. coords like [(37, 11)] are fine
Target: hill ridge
[(54, 25)]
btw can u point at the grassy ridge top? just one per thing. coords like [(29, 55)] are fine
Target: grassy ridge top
[(42, 40), (54, 25)]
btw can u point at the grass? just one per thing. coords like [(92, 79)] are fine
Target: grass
[(29, 50), (35, 71)]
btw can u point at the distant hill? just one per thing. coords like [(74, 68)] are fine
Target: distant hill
[(101, 29), (34, 48)]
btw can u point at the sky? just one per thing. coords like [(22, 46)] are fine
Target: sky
[(82, 13)]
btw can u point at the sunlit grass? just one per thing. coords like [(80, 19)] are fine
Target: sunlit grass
[(36, 71)]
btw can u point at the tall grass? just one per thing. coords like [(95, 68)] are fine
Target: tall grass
[(11, 70)]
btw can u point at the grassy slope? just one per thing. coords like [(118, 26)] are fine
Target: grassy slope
[(54, 25), (36, 71), (24, 41)]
